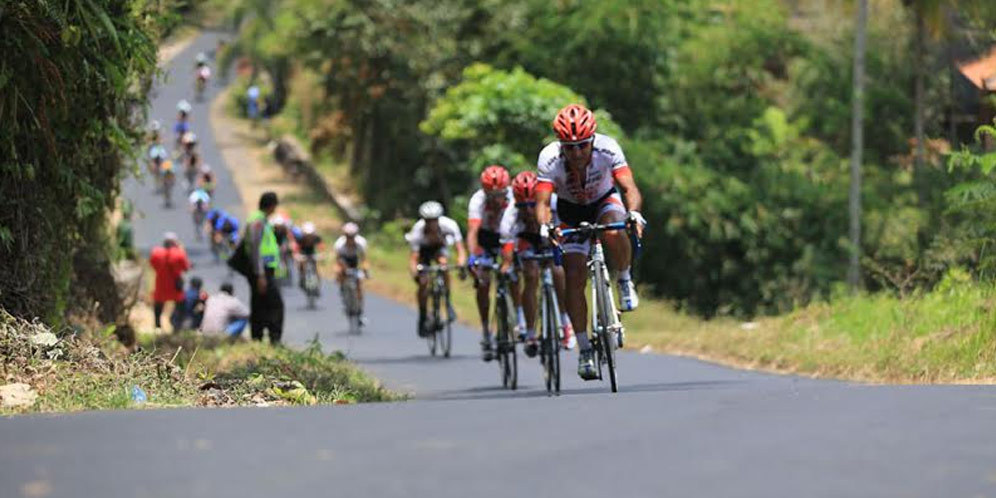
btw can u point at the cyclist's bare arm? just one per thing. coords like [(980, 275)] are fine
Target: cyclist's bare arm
[(631, 195), (461, 253), (543, 212), (473, 227), (413, 263)]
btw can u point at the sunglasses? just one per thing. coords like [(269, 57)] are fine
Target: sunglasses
[(577, 145), (496, 194), (527, 204)]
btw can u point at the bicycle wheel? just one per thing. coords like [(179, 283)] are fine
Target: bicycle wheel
[(511, 355), (606, 323), (551, 342), (434, 319)]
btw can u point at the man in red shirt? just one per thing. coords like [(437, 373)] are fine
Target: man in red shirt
[(170, 262)]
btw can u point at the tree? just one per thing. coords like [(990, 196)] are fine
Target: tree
[(857, 138)]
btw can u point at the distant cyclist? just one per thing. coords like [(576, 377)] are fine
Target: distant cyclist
[(430, 240), (587, 171), (351, 254), (182, 125), (309, 244), (202, 75), (200, 204), (487, 207), (206, 180), (285, 239), (520, 232)]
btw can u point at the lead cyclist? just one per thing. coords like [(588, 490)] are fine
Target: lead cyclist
[(593, 182)]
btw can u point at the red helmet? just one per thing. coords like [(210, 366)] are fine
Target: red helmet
[(524, 186), (574, 123), (494, 177)]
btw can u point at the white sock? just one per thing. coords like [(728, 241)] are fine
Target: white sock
[(522, 317), (565, 319), (624, 275)]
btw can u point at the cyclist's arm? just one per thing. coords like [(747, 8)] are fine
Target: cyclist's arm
[(631, 194), (544, 215), (473, 227), (413, 263), (461, 253)]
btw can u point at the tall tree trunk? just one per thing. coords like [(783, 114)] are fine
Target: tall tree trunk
[(857, 146), (919, 68)]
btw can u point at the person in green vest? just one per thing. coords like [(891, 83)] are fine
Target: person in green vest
[(266, 307)]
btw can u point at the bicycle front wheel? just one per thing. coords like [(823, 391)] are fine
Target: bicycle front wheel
[(432, 335), (551, 340), (606, 324)]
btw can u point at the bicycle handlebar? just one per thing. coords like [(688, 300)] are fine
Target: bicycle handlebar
[(589, 229)]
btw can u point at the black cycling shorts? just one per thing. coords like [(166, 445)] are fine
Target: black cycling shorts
[(572, 214), (489, 241), (429, 254)]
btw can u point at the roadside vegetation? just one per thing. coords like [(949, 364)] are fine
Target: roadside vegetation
[(739, 138), (72, 370)]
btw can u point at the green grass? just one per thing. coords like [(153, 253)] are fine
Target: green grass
[(91, 371)]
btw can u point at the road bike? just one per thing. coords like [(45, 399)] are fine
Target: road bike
[(503, 321), (607, 330), (200, 211), (311, 282), (440, 336), (550, 325), (352, 305)]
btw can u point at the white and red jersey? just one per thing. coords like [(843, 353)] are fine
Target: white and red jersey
[(607, 163), (449, 234), (514, 222), (488, 214), (342, 249)]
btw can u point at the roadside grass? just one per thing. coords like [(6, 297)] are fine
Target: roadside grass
[(945, 336), (70, 370)]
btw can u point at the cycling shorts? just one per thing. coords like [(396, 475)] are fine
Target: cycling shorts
[(428, 255), (572, 215), (488, 242)]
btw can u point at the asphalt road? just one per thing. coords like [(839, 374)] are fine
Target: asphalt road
[(679, 427)]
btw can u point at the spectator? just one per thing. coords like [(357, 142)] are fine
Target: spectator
[(266, 306), (224, 313), (193, 303), (169, 262)]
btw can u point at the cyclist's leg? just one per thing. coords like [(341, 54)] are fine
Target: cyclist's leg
[(482, 283), (576, 276), (530, 284), (618, 252), (565, 319)]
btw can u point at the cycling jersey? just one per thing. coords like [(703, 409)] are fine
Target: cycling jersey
[(488, 214), (157, 151), (199, 196), (307, 244), (351, 256), (516, 227), (204, 72), (449, 233), (228, 225), (607, 163), (180, 128)]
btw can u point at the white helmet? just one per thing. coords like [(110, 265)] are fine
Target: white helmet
[(430, 210), (308, 228), (350, 229), (183, 106), (189, 138), (278, 220), (154, 125), (201, 57), (205, 168)]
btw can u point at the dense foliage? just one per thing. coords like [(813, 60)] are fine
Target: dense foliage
[(734, 115), (71, 96)]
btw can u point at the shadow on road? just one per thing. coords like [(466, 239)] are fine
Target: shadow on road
[(497, 392)]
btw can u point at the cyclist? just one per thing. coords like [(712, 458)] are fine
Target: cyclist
[(285, 239), (157, 154), (520, 234), (430, 240), (224, 231), (203, 73), (351, 253), (182, 125), (206, 180), (487, 206), (167, 179), (200, 203), (309, 244), (587, 171)]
